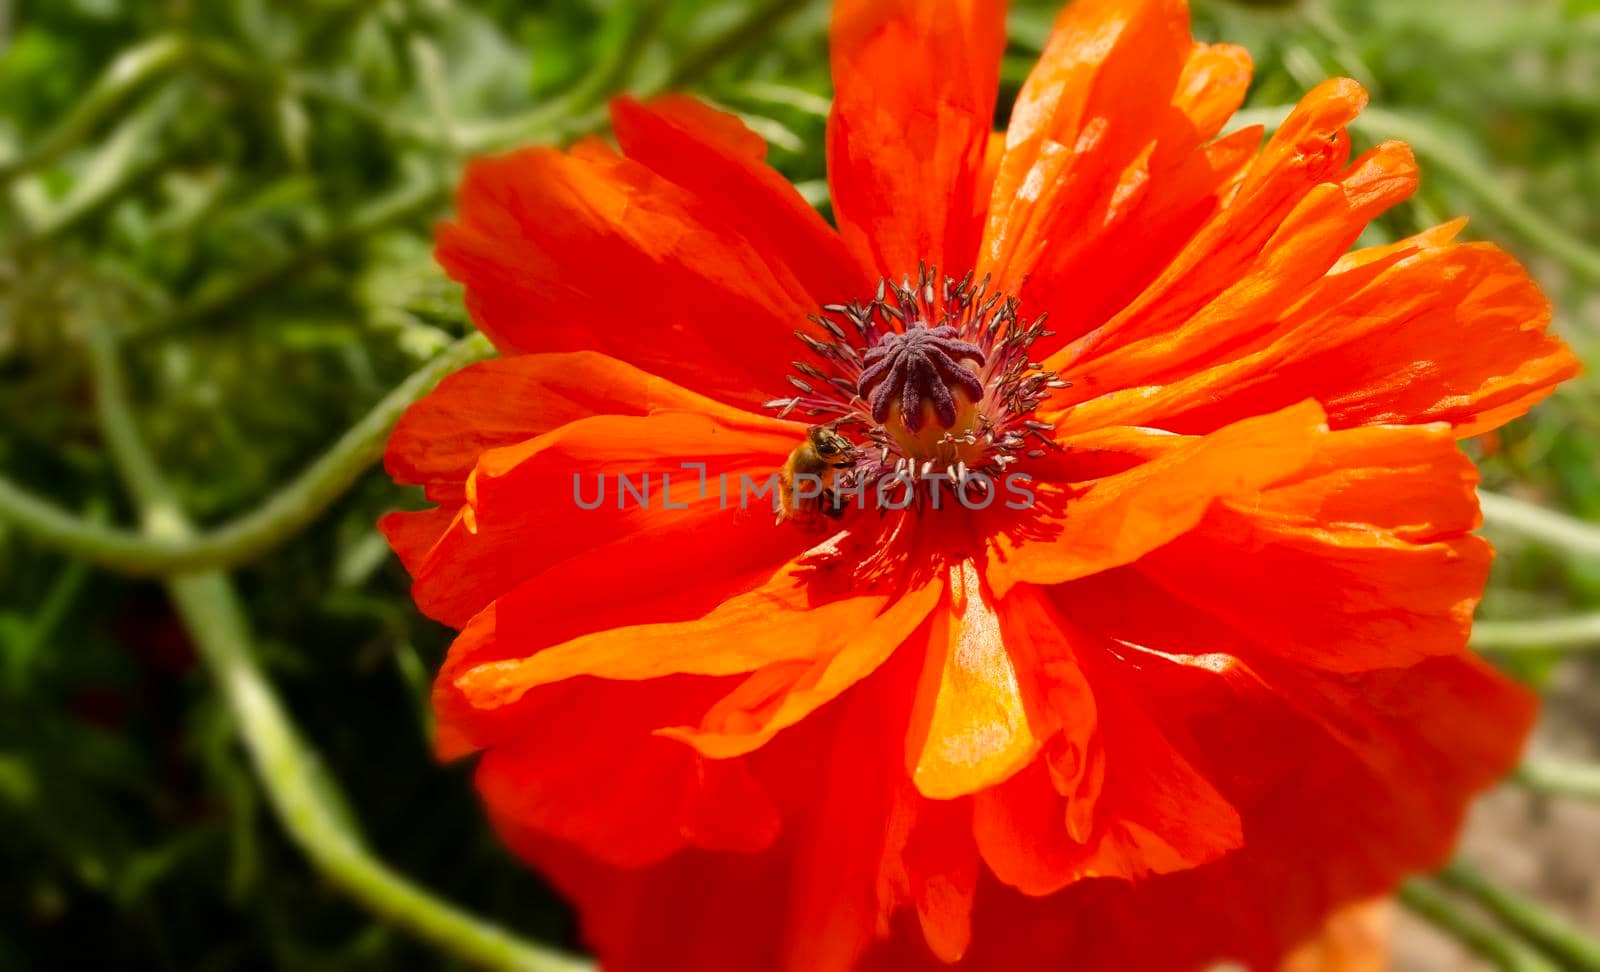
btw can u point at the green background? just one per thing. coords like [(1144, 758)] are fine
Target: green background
[(238, 193)]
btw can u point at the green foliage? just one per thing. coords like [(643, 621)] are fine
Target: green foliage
[(249, 197)]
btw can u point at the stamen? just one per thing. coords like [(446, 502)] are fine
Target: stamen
[(942, 349)]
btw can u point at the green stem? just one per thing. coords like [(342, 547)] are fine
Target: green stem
[(639, 23), (407, 129), (298, 788), (129, 71), (567, 113), (429, 66), (1559, 940), (248, 536), (1537, 523), (1579, 631), (756, 22), (1560, 779), (53, 609), (1425, 900), (581, 106), (305, 798), (128, 157)]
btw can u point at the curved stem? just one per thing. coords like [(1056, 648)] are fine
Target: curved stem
[(760, 18), (1560, 779), (301, 793), (1578, 631), (1537, 523), (305, 798), (128, 71), (128, 156), (248, 536), (1559, 939), (638, 22), (429, 65), (1425, 900)]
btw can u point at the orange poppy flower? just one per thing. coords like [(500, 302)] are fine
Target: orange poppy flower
[(1186, 671)]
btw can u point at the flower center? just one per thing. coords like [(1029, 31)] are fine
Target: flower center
[(920, 371), (933, 379)]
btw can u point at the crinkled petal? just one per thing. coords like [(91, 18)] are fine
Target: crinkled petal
[(615, 789), (1085, 132), (714, 156), (1432, 333), (1311, 238), (914, 93), (1361, 561), (942, 865), (971, 726), (778, 622), (591, 251), (1309, 149), (785, 692), (1150, 811), (1071, 532), (1397, 755), (510, 400), (605, 481)]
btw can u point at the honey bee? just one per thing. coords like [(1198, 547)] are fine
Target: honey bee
[(820, 460)]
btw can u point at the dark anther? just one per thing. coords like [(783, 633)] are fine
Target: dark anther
[(922, 365)]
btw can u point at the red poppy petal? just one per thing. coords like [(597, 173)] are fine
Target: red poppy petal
[(643, 920), (1160, 199), (565, 252), (501, 402), (1382, 803), (1397, 754), (1213, 85), (774, 623), (1449, 333), (714, 156), (580, 596), (565, 489), (942, 864), (914, 93), (1311, 238), (1074, 757), (831, 912), (970, 725), (1410, 481), (1163, 817), (780, 695), (1309, 149), (1100, 100), (493, 404), (412, 533), (1345, 567), (625, 796), (824, 870), (1077, 531)]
